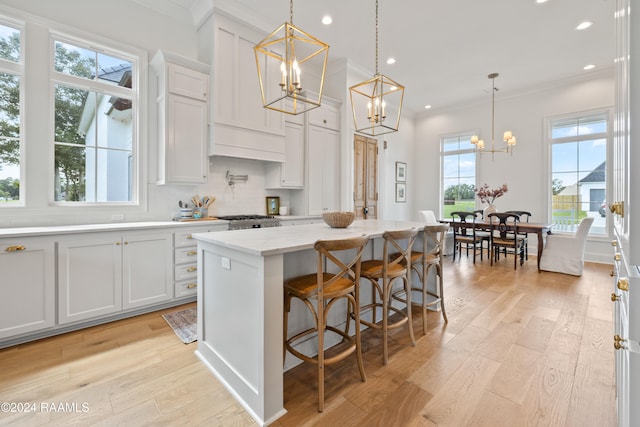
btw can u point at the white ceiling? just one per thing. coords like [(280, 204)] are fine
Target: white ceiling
[(445, 49)]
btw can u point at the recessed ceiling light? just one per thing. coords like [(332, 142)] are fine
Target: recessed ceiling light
[(427, 106), (391, 61), (584, 25), (326, 20), (589, 67), (541, 1)]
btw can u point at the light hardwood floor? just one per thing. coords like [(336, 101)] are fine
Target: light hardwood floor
[(521, 348)]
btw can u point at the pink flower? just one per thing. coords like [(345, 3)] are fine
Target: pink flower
[(489, 196)]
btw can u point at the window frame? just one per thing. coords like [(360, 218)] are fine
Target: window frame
[(466, 135), (607, 112), (18, 68), (136, 94)]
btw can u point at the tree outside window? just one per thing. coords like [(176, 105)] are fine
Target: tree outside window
[(10, 79), (93, 128)]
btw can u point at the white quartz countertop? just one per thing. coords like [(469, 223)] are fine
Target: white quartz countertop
[(116, 226), (277, 240)]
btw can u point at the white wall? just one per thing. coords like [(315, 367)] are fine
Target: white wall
[(524, 171)]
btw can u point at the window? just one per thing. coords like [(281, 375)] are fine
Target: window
[(458, 158), (94, 112), (578, 171), (10, 114)]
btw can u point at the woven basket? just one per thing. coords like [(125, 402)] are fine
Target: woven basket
[(338, 219)]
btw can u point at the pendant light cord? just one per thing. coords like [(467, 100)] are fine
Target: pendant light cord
[(291, 12), (376, 37)]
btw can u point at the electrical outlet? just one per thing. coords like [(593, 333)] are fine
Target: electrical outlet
[(226, 263), (117, 217)]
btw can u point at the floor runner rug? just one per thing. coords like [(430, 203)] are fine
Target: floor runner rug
[(184, 324)]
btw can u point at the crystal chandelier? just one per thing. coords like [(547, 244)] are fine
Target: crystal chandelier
[(281, 59), (377, 102)]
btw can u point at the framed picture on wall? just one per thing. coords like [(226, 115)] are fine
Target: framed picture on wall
[(401, 172), (273, 205), (401, 192)]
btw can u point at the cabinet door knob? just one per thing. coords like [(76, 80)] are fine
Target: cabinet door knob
[(617, 257), (615, 297), (614, 243), (16, 248), (618, 342), (623, 284)]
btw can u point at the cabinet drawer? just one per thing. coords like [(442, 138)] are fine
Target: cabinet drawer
[(186, 272), (186, 255), (186, 288), (184, 238), (187, 82)]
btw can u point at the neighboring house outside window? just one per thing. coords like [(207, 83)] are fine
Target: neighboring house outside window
[(578, 146), (458, 167), (11, 77), (94, 125)]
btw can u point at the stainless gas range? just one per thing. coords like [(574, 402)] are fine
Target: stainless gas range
[(241, 222)]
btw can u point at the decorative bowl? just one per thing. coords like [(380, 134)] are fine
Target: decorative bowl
[(338, 219)]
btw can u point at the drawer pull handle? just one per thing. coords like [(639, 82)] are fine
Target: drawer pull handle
[(189, 236), (618, 342), (191, 285), (192, 253), (615, 297), (623, 284), (191, 269), (16, 248)]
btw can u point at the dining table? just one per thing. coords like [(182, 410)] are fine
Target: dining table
[(537, 228)]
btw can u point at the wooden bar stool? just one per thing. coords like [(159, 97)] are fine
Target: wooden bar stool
[(432, 255), (382, 273), (326, 288)]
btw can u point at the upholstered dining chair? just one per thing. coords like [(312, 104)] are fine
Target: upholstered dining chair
[(565, 254), (504, 235), (524, 217), (465, 235), (383, 273), (319, 291), (422, 262)]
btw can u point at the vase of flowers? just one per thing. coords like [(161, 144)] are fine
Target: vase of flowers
[(489, 196)]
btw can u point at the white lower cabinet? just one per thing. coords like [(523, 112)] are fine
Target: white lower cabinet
[(104, 273), (186, 263), (27, 289), (185, 267)]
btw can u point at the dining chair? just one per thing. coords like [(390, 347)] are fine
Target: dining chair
[(504, 235), (524, 217), (382, 273), (565, 254), (431, 256), (325, 288), (486, 236), (465, 234)]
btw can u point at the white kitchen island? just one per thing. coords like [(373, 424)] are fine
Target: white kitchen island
[(240, 302)]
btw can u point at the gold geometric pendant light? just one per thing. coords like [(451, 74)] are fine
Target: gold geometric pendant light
[(291, 67), (377, 102)]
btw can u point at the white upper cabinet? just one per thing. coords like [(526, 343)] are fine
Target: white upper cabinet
[(182, 111), (242, 126)]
